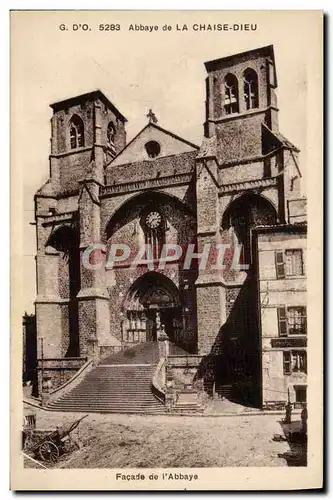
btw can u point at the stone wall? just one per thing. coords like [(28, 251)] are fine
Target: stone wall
[(240, 138), (163, 166), (57, 371), (210, 305), (73, 169)]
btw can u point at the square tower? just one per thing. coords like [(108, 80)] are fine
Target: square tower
[(240, 98), (84, 128)]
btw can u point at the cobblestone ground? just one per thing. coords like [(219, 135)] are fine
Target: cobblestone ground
[(117, 441)]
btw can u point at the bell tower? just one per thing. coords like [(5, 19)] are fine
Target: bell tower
[(87, 131), (240, 98), (85, 128), (242, 179)]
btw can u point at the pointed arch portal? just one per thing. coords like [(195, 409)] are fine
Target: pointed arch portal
[(245, 213), (152, 299)]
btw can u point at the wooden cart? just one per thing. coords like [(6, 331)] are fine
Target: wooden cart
[(54, 444)]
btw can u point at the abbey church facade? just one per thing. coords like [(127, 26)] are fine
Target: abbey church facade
[(239, 189)]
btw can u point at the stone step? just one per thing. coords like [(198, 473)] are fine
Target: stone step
[(109, 406), (109, 400), (122, 383), (100, 395), (114, 380), (106, 403), (148, 411), (112, 386), (120, 388), (116, 405)]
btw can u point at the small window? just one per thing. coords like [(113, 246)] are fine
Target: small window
[(294, 362), (111, 133), (153, 149), (289, 263), (250, 89), (292, 320), (231, 94), (296, 320), (294, 263), (76, 132)]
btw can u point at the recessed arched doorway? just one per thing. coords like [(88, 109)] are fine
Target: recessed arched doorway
[(151, 304), (65, 240), (242, 215)]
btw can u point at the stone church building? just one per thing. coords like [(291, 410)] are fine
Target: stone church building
[(239, 188)]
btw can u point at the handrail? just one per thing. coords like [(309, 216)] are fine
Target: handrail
[(73, 381), (157, 387)]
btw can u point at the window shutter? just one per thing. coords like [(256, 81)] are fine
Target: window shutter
[(282, 321), (286, 363), (300, 265), (279, 265), (304, 320)]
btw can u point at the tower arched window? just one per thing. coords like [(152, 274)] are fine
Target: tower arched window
[(76, 132), (231, 94), (110, 135), (153, 225), (251, 89)]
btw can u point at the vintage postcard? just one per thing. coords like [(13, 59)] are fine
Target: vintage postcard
[(166, 250)]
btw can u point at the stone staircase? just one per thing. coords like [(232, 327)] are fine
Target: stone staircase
[(118, 388), (121, 383)]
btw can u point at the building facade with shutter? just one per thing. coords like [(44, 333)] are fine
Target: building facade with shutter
[(162, 189), (281, 257)]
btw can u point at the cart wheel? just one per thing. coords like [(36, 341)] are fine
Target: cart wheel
[(48, 451)]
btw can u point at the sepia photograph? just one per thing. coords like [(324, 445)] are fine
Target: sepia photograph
[(166, 183)]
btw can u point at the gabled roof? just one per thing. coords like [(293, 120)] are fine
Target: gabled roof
[(89, 96), (281, 139), (285, 142), (153, 126), (46, 189), (161, 129)]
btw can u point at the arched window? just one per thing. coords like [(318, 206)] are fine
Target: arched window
[(76, 132), (230, 94), (111, 134), (250, 89), (243, 214), (153, 225)]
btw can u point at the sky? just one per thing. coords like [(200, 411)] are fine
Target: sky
[(137, 71)]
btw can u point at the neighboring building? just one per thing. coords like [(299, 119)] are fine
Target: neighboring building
[(29, 347), (157, 189), (283, 301)]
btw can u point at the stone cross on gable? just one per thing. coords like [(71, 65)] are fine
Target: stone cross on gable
[(151, 117)]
